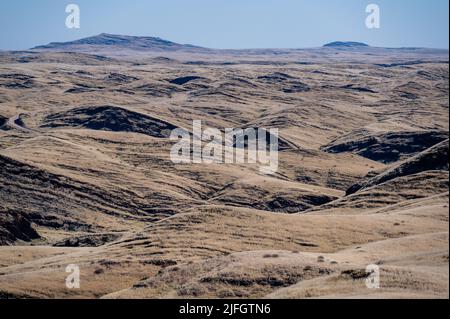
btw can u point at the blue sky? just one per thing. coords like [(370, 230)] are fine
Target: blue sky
[(229, 23)]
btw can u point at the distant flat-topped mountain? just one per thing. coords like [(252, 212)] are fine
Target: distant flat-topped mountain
[(112, 41), (347, 44)]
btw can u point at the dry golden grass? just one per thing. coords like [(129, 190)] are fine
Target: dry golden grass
[(148, 228)]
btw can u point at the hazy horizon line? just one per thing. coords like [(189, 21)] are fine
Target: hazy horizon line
[(231, 49)]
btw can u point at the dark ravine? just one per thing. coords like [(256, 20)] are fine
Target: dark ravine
[(110, 118), (387, 148), (94, 240), (14, 226), (432, 159), (3, 121)]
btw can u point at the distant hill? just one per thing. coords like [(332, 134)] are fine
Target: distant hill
[(136, 43), (349, 44), (119, 42), (105, 45)]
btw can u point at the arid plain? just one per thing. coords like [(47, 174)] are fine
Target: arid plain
[(86, 176)]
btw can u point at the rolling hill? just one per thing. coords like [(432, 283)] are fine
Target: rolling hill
[(86, 175)]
